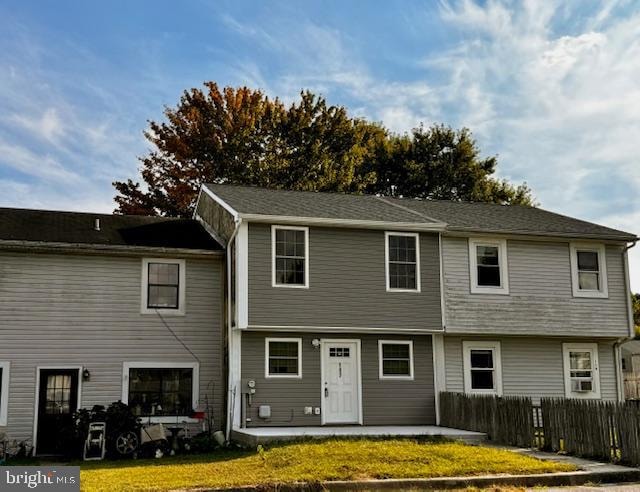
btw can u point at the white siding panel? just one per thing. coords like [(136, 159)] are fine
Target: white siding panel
[(540, 300), (60, 309)]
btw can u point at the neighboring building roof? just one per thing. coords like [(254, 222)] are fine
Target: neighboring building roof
[(251, 202), (45, 226)]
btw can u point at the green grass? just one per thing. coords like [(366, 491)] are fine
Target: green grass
[(311, 462)]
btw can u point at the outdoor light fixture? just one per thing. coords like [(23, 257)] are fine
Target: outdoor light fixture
[(315, 342), (86, 374)]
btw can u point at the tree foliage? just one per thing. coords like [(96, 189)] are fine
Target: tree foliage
[(241, 136)]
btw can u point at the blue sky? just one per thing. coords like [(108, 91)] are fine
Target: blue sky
[(550, 87)]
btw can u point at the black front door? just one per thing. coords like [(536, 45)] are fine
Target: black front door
[(58, 399)]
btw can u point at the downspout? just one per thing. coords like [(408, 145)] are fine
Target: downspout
[(231, 396), (631, 336)]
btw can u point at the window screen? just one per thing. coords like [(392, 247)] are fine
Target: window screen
[(163, 286), (402, 262), (290, 257), (161, 391)]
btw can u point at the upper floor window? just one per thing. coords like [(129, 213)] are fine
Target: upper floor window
[(588, 270), (163, 285), (402, 251), (488, 266), (482, 367), (290, 256), (283, 357), (4, 392), (581, 376)]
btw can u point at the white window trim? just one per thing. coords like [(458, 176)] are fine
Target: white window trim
[(467, 347), (591, 347), (144, 289), (275, 228), (195, 388), (501, 244), (381, 374), (4, 393), (603, 292), (386, 260), (266, 358)]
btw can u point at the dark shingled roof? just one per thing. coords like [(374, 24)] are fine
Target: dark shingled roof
[(115, 230), (263, 201), (459, 216)]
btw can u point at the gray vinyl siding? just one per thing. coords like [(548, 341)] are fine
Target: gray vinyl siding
[(530, 366), (384, 402), (58, 310), (540, 301), (347, 285)]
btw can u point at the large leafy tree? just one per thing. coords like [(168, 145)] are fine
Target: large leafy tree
[(241, 136), (442, 163)]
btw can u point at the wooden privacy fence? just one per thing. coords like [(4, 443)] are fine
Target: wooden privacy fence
[(603, 430), (507, 420)]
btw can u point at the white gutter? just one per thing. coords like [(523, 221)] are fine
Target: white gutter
[(115, 249), (351, 223), (231, 393)]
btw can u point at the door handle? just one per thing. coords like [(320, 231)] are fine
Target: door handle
[(326, 392)]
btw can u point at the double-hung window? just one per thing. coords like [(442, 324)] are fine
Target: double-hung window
[(163, 286), (395, 359), (283, 358), (488, 266), (588, 270), (402, 251), (581, 376), (4, 392), (161, 389), (482, 367), (290, 256)]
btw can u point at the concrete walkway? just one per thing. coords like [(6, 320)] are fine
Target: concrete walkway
[(252, 436)]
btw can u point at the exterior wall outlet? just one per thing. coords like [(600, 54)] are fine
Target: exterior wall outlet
[(308, 410), (316, 410), (264, 411)]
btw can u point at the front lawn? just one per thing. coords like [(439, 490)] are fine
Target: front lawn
[(311, 462)]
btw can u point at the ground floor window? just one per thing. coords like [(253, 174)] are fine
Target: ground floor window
[(581, 376), (283, 357), (168, 389), (395, 359), (482, 367), (4, 392)]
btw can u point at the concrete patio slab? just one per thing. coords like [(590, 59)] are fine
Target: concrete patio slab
[(252, 436)]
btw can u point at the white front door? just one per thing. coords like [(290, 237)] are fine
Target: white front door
[(341, 381)]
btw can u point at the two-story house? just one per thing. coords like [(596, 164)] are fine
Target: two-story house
[(301, 309), (100, 308), (351, 309)]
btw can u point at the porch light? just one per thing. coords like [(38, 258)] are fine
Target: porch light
[(315, 342), (86, 374)]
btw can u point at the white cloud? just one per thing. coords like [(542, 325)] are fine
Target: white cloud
[(564, 105), (559, 106), (48, 126), (32, 164)]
